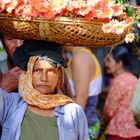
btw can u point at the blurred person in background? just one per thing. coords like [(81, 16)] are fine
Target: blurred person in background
[(9, 72), (135, 104), (85, 78), (118, 116)]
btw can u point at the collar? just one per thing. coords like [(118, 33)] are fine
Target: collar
[(59, 111)]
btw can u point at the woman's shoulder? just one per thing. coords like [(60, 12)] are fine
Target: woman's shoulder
[(126, 76), (74, 109), (124, 80), (72, 105)]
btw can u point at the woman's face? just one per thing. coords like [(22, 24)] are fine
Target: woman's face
[(110, 65), (45, 77), (10, 44)]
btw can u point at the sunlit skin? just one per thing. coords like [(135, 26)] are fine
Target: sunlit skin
[(81, 73), (45, 77)]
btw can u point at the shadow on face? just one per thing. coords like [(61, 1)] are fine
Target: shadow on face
[(110, 65), (45, 77)]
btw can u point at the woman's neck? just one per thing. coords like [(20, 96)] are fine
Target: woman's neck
[(119, 71)]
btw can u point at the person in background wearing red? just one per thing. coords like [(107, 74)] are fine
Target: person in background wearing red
[(118, 114)]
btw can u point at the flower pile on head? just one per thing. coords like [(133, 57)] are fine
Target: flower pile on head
[(118, 14)]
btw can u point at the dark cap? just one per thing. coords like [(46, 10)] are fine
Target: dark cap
[(51, 50)]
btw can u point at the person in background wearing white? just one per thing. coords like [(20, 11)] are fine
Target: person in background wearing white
[(85, 78)]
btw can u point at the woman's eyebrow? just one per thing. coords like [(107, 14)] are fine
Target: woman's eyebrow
[(52, 68)]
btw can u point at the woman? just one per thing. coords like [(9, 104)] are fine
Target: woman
[(40, 111), (117, 111)]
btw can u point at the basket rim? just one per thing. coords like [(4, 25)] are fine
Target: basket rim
[(56, 19)]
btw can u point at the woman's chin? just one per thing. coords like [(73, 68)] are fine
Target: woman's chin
[(44, 92)]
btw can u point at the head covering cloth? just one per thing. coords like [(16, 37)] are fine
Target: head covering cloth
[(26, 89)]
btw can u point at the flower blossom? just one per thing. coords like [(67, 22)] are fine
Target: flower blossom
[(129, 37), (118, 28), (12, 5), (92, 3), (118, 9), (107, 28), (114, 27), (108, 13), (116, 14)]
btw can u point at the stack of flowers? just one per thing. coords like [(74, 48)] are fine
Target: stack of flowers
[(121, 16)]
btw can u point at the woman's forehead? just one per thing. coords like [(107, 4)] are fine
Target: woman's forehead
[(42, 64)]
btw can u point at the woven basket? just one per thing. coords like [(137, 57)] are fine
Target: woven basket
[(67, 31)]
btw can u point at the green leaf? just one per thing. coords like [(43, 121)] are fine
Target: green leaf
[(120, 1), (137, 38), (130, 11), (136, 22)]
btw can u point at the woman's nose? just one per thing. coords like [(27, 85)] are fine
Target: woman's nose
[(44, 75)]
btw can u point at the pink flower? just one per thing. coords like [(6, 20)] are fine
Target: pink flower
[(11, 6), (6, 1), (108, 13), (128, 23), (49, 14), (99, 13), (114, 27), (110, 3), (118, 9), (26, 12), (83, 11), (90, 15), (129, 37), (92, 3), (75, 4), (19, 9), (59, 5), (129, 20), (118, 28), (107, 28)]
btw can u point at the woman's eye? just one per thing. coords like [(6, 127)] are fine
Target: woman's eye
[(36, 70), (51, 70)]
